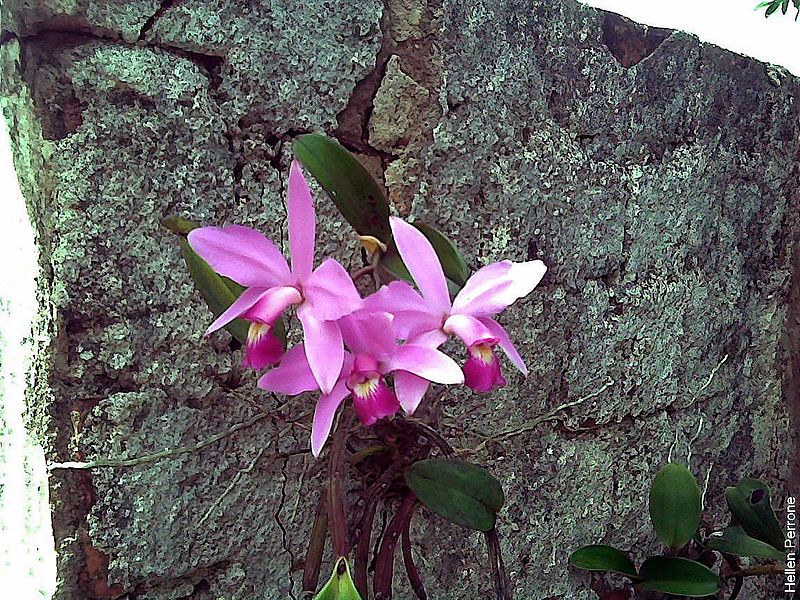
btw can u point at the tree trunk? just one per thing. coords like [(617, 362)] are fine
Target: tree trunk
[(657, 177)]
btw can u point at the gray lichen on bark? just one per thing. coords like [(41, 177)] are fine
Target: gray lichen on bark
[(659, 183)]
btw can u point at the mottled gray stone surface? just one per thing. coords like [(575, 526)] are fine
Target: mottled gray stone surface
[(663, 197)]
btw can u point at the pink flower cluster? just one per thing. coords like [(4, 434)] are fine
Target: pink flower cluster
[(351, 344)]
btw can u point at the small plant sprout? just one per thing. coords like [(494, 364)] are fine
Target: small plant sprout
[(690, 567)]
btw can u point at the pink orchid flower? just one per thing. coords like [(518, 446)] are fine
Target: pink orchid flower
[(374, 354), (432, 317), (322, 296)]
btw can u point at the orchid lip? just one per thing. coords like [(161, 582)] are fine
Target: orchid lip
[(262, 349), (373, 399), (482, 370)]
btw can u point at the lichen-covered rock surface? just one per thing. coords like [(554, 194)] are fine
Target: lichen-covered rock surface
[(657, 177)]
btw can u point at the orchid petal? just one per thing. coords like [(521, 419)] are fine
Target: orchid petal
[(302, 223), (330, 292), (432, 339), (504, 341), (270, 306), (413, 315), (323, 416), (395, 297), (241, 253), (423, 264), (292, 376), (427, 363), (369, 333), (240, 306), (324, 351), (498, 285), (469, 329), (410, 390)]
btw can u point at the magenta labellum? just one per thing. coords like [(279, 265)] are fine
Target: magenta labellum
[(482, 370), (263, 349)]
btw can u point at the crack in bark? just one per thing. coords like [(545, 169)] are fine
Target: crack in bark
[(151, 20), (209, 64), (353, 120), (284, 534)]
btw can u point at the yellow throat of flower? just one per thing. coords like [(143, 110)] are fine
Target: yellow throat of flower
[(256, 332), (483, 352), (366, 388)]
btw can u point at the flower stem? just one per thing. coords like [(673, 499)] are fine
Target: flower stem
[(384, 563), (362, 547), (337, 496), (502, 586), (362, 272), (408, 560), (316, 547), (431, 434)]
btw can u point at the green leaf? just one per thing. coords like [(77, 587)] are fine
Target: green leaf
[(340, 586), (749, 503), (675, 505), (353, 190), (394, 265), (461, 492), (735, 541), (680, 576), (773, 7), (785, 6), (598, 557), (453, 263)]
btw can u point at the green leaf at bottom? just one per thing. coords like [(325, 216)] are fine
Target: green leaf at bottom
[(340, 586), (680, 576), (675, 505), (461, 492), (735, 541), (599, 557)]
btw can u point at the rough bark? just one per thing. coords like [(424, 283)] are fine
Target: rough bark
[(656, 176)]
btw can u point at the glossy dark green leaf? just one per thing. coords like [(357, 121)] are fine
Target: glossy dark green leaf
[(735, 541), (675, 505), (340, 586), (785, 6), (453, 263), (599, 557), (461, 492), (354, 191), (773, 7), (681, 576), (749, 503), (391, 264)]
